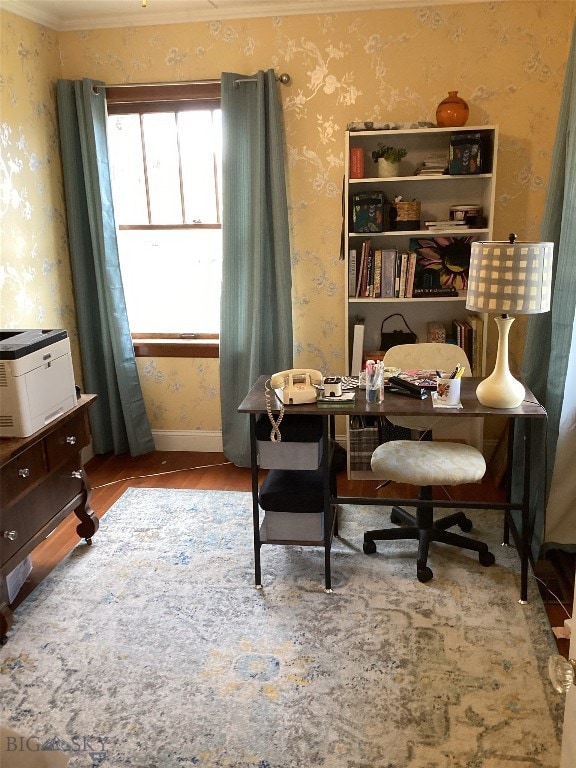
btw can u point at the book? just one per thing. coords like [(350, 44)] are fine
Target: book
[(410, 273), (369, 289), (388, 273), (397, 273), (359, 273), (403, 268), (430, 293), (423, 378), (377, 273), (476, 323), (352, 272), (363, 281)]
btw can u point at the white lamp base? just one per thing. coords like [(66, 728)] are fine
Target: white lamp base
[(501, 389)]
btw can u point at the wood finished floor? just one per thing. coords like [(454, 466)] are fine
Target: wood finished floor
[(111, 475)]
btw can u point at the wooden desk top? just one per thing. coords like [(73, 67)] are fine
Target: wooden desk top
[(400, 405)]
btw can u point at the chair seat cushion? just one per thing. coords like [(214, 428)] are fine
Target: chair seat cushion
[(426, 462)]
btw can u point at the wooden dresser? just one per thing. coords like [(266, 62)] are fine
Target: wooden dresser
[(42, 481)]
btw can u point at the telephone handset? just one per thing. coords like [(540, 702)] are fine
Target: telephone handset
[(295, 386)]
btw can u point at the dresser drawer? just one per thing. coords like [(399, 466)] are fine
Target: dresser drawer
[(67, 441), (22, 473), (25, 519)]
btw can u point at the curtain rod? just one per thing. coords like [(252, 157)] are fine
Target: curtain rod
[(284, 78), (154, 85)]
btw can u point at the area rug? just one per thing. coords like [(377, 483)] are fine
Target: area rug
[(153, 649)]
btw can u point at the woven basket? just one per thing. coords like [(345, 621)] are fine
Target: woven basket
[(407, 214)]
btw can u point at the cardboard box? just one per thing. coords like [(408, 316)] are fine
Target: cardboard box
[(293, 526), (16, 578), (289, 455)]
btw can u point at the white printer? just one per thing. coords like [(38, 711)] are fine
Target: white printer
[(36, 379)]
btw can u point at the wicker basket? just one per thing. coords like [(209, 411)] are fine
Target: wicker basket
[(407, 214)]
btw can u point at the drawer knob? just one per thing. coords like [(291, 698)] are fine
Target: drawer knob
[(10, 535), (71, 440), (77, 474), (24, 472)]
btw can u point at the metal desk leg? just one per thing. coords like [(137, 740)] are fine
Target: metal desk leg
[(525, 536), (326, 502), (255, 507), (509, 462)]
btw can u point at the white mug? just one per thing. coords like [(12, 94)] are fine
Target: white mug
[(448, 390)]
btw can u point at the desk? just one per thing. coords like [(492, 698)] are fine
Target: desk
[(254, 404)]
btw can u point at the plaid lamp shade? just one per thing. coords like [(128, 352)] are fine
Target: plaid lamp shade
[(510, 278)]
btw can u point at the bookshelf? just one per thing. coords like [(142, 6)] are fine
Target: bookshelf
[(376, 207), (437, 193)]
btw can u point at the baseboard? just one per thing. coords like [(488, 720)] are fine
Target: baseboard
[(197, 440), (187, 440)]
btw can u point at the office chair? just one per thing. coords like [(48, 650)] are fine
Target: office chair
[(427, 463)]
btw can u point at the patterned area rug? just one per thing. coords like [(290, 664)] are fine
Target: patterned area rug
[(153, 649)]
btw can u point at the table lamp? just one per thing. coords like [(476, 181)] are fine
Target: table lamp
[(507, 277)]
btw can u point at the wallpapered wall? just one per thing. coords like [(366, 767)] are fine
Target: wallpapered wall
[(506, 59)]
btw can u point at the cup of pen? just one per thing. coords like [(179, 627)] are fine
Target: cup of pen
[(448, 388), (374, 382)]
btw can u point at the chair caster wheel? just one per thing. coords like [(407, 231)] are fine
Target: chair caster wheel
[(466, 525), (369, 547), (486, 558), (395, 518), (424, 574)]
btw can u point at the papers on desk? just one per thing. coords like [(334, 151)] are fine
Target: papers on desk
[(346, 398), (436, 404)]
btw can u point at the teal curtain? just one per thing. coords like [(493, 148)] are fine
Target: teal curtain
[(256, 305), (118, 418), (550, 336)]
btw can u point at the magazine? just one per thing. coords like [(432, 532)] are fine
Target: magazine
[(421, 378)]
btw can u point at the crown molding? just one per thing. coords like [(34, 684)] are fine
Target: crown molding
[(72, 15)]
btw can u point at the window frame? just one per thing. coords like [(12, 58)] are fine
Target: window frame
[(172, 97)]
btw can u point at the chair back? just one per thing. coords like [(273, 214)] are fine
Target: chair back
[(431, 357)]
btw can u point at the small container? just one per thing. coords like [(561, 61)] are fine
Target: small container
[(405, 215), (471, 215), (448, 391), (375, 393), (470, 153)]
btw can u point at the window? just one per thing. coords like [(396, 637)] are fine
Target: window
[(165, 148)]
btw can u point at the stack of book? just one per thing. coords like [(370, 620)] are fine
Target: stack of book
[(384, 273), (433, 165), (468, 334)]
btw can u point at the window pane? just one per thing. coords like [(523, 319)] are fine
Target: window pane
[(199, 132), (172, 280), (163, 168), (127, 169)]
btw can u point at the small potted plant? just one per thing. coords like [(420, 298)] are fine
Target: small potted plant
[(388, 159)]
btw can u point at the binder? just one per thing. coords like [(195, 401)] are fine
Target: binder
[(357, 347)]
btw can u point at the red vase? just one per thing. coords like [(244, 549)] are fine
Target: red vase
[(452, 112)]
